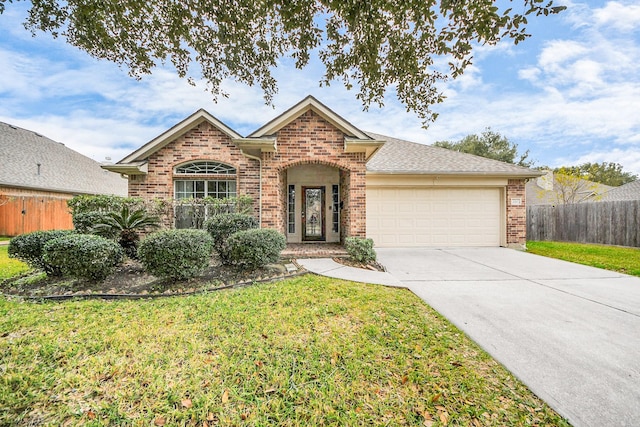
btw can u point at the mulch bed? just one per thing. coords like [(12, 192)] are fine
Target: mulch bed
[(130, 280)]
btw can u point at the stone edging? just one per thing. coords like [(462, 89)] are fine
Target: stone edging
[(302, 272)]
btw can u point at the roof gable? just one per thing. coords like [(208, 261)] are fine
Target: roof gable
[(309, 103), (176, 131)]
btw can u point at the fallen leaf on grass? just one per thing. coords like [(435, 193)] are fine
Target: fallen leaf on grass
[(210, 416), (91, 415), (186, 403), (225, 396), (159, 421), (444, 418)]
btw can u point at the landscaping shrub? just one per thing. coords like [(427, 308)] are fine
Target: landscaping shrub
[(126, 224), (176, 254), (222, 226), (255, 248), (29, 249), (84, 207), (83, 222), (83, 256), (360, 249)]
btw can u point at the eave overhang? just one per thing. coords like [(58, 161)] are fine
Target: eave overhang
[(466, 174), (367, 146), (133, 168), (256, 146)]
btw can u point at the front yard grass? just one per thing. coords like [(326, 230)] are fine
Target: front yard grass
[(10, 267), (614, 258), (304, 351)]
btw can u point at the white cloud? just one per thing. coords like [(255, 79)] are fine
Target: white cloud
[(624, 17)]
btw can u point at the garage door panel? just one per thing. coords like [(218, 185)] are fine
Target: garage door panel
[(434, 216)]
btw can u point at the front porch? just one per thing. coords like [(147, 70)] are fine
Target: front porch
[(313, 250)]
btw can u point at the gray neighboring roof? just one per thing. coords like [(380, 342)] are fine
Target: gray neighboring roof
[(403, 157), (62, 170), (629, 191)]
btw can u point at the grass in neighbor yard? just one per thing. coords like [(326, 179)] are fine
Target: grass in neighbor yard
[(304, 351), (614, 258), (10, 267)]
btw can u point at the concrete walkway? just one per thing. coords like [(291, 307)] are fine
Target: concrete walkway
[(571, 333), (330, 268)]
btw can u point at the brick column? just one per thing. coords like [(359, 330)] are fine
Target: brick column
[(516, 214)]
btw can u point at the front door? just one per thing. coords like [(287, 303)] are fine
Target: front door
[(313, 214)]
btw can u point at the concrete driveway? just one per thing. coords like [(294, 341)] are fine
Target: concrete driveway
[(570, 332)]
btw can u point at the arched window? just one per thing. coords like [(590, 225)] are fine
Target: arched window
[(205, 168), (216, 180)]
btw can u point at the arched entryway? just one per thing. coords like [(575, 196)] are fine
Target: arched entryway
[(314, 202)]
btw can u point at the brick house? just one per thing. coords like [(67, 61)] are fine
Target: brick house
[(314, 176)]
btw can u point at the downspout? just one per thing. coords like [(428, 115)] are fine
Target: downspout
[(260, 185)]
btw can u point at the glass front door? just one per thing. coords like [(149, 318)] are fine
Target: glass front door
[(313, 223)]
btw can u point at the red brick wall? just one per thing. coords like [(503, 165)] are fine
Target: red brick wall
[(516, 215), (204, 142), (312, 140)]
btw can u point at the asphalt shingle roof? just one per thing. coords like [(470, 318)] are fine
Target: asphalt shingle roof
[(61, 169), (404, 157), (629, 191)]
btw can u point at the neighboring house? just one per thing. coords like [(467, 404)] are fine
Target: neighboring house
[(38, 176), (549, 189), (629, 191), (316, 177)]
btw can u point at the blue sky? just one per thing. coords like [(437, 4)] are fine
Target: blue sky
[(570, 94)]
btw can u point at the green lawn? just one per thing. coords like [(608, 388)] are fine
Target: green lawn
[(305, 351), (4, 239), (10, 267), (615, 258)]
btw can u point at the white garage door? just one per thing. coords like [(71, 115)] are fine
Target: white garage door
[(442, 217)]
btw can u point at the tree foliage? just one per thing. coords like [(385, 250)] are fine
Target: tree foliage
[(569, 189), (375, 45), (491, 145), (607, 173)]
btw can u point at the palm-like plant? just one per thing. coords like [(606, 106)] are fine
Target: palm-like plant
[(126, 224)]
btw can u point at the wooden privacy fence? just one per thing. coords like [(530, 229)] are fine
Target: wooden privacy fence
[(23, 214), (608, 223)]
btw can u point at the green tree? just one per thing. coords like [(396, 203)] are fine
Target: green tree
[(607, 173), (373, 44), (569, 189), (491, 145)]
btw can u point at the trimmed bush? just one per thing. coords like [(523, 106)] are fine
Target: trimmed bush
[(83, 256), (29, 248), (222, 226), (255, 248), (84, 222), (176, 254), (360, 249)]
